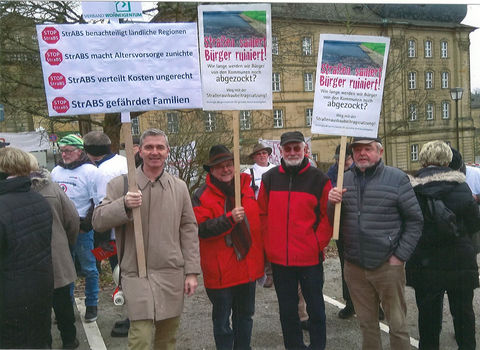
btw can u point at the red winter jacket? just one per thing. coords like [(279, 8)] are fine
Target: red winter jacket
[(220, 266), (293, 210)]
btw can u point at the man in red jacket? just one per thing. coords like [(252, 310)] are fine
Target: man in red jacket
[(293, 209)]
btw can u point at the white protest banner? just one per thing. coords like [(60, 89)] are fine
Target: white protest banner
[(111, 9), (349, 84), (95, 68), (235, 50)]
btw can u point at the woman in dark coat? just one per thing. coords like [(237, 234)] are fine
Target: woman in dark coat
[(444, 264), (26, 276)]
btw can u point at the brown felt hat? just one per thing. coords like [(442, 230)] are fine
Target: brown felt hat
[(260, 147), (217, 155)]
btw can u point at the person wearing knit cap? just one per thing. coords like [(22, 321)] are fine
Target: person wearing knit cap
[(78, 177), (110, 165)]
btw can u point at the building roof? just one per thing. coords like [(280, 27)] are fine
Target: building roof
[(420, 15)]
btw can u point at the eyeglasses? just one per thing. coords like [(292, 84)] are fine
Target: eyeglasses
[(296, 148)]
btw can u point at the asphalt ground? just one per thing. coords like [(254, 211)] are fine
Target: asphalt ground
[(196, 326)]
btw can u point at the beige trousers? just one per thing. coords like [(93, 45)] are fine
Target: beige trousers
[(147, 334)]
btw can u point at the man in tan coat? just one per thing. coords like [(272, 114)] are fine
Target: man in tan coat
[(170, 239)]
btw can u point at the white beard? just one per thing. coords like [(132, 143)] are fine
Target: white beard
[(293, 162)]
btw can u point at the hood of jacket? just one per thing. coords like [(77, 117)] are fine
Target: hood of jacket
[(40, 179), (436, 180)]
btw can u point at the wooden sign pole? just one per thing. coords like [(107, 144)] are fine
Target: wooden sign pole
[(341, 168), (236, 158), (132, 187)]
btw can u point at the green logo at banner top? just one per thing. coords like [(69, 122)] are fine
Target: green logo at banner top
[(122, 6)]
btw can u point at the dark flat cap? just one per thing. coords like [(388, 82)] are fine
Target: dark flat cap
[(291, 136)]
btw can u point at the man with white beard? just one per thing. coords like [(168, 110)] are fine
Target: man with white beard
[(296, 228)]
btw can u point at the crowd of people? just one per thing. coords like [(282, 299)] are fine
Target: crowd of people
[(396, 230)]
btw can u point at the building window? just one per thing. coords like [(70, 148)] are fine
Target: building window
[(429, 111), (429, 80), (308, 116), (412, 48), (135, 126), (274, 45), (444, 49), (414, 153), (445, 110), (172, 123), (307, 46), (278, 118), (210, 121), (428, 49), (444, 80), (245, 120), (412, 112), (276, 82), (412, 80), (308, 81)]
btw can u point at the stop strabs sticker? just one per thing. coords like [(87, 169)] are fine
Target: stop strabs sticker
[(53, 57), (60, 104), (57, 81), (50, 35)]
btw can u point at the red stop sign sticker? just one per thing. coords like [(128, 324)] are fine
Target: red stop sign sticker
[(60, 104), (53, 57), (57, 81), (50, 35)]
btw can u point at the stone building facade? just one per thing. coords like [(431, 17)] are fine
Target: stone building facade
[(429, 55)]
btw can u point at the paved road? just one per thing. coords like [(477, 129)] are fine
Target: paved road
[(196, 328)]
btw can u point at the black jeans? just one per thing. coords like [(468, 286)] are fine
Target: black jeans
[(286, 279), (430, 311), (63, 308), (240, 302)]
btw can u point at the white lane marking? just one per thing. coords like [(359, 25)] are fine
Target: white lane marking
[(383, 326), (94, 337)]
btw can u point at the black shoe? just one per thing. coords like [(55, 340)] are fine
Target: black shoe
[(305, 325), (91, 314), (71, 345), (381, 314), (120, 329), (122, 323), (268, 282), (347, 312)]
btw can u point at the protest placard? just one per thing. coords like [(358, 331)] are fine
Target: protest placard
[(348, 91), (95, 68), (235, 54), (349, 84)]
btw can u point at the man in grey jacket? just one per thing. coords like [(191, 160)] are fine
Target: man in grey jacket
[(381, 222)]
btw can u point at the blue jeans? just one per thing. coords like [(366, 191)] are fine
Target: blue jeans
[(83, 252), (240, 302), (286, 279)]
